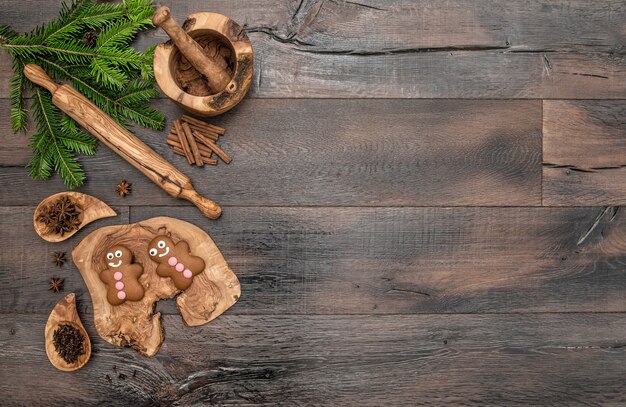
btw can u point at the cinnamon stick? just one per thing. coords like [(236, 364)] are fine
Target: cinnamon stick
[(176, 147), (219, 130), (183, 141), (207, 161), (192, 144), (204, 150), (210, 144), (213, 136)]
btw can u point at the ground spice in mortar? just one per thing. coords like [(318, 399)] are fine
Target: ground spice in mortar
[(69, 343), (192, 81)]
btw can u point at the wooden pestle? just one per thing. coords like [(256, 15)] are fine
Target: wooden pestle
[(214, 72), (120, 140)]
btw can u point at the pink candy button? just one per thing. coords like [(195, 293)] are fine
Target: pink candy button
[(121, 295), (187, 273), (172, 261), (180, 267), (119, 285), (117, 275)]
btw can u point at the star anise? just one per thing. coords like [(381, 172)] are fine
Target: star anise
[(124, 188), (58, 258), (55, 284), (61, 216)]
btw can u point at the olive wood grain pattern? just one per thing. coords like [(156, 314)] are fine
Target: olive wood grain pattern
[(65, 313), (197, 25), (134, 323), (584, 152), (91, 209), (214, 73), (120, 140)]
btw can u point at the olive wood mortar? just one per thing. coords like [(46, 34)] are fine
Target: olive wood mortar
[(201, 25)]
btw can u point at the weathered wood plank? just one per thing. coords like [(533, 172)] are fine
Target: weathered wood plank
[(392, 23), (569, 359), (338, 152), (407, 49), (376, 260), (437, 74), (584, 152), (26, 261)]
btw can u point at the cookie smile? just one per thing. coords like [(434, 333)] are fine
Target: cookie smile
[(119, 263), (167, 250)]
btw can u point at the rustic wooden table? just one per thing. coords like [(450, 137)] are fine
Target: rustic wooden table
[(423, 208)]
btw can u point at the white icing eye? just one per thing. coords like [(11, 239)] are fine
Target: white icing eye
[(110, 256), (118, 253), (161, 244), (153, 252)]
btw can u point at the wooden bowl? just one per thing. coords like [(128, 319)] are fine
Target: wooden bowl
[(227, 31)]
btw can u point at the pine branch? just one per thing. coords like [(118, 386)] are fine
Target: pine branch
[(6, 33), (19, 116), (112, 106), (48, 150), (104, 68)]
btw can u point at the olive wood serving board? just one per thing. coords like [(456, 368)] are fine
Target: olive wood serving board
[(134, 323)]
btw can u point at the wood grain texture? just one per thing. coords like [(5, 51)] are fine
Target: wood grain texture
[(124, 143), (134, 323), (380, 260), (341, 152), (375, 268), (584, 153), (207, 65), (26, 261), (65, 313), (338, 360), (407, 49), (231, 87), (91, 209)]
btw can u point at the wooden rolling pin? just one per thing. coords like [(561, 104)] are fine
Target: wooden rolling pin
[(214, 72), (120, 140)]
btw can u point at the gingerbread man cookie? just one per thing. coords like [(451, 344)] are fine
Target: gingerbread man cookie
[(175, 261), (122, 276)]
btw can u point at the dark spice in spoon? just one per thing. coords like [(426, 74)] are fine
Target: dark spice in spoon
[(69, 342), (61, 216)]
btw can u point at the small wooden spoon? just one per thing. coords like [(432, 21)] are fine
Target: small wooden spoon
[(92, 209), (65, 313)]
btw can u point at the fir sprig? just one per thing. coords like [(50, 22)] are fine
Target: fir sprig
[(117, 78)]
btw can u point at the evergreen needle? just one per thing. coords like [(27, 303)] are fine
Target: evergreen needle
[(105, 70)]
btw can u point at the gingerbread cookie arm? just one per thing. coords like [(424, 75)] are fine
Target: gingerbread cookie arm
[(164, 270), (195, 265), (182, 247), (106, 277)]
